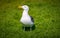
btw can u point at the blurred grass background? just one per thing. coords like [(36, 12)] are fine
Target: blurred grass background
[(46, 14)]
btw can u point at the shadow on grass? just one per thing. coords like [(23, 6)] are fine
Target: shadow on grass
[(28, 28)]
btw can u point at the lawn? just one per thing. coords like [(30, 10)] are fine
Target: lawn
[(46, 14)]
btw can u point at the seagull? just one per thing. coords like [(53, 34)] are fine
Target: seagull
[(26, 19)]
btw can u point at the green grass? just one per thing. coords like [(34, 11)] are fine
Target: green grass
[(46, 14)]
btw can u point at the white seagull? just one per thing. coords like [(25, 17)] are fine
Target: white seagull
[(26, 19)]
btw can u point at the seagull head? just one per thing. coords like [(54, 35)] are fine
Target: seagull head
[(25, 7)]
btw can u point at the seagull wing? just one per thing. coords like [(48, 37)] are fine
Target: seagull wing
[(32, 19)]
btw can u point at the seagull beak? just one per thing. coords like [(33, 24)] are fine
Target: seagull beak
[(19, 6)]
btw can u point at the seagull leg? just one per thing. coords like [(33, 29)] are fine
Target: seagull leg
[(30, 28), (24, 28)]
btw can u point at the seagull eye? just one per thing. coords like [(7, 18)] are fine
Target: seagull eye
[(25, 7)]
